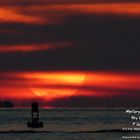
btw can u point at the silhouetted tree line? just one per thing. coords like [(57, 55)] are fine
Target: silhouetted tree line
[(6, 104)]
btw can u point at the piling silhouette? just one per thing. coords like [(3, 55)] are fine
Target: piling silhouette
[(34, 123)]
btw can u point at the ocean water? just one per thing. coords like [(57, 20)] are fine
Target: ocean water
[(67, 124)]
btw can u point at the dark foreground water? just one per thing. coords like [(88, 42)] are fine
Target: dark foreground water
[(67, 124)]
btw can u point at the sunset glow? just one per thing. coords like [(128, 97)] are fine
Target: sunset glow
[(51, 85), (50, 79), (30, 48), (107, 8), (56, 12), (8, 15)]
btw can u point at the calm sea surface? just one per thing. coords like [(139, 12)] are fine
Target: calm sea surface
[(66, 124)]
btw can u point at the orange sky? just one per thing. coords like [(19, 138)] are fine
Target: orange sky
[(51, 85), (34, 14), (36, 27)]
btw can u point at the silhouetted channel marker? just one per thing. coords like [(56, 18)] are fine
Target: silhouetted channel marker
[(34, 123), (67, 132)]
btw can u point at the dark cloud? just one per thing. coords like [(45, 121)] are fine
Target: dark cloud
[(103, 31), (85, 101), (82, 101), (14, 3), (100, 42), (72, 58), (78, 101)]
